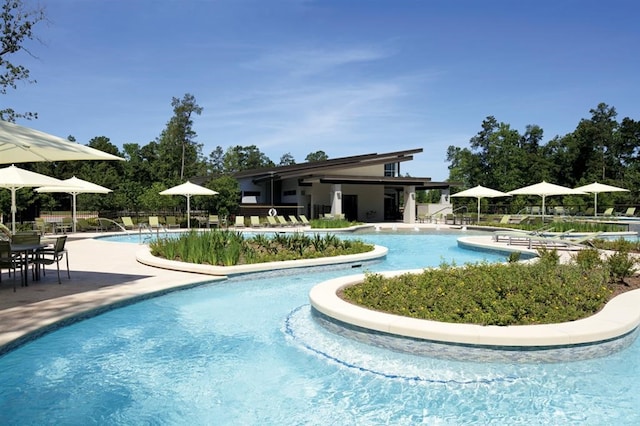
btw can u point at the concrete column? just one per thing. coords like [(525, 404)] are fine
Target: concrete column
[(336, 199), (409, 204)]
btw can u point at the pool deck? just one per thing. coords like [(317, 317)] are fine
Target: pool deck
[(105, 273)]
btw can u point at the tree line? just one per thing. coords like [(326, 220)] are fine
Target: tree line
[(172, 158), (600, 149)]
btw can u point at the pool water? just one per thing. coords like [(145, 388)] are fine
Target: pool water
[(246, 351)]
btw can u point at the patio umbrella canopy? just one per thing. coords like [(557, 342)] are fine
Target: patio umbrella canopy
[(75, 186), (480, 192), (20, 144), (595, 188), (545, 189), (14, 178), (188, 189)]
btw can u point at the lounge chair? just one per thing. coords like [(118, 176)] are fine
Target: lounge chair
[(5, 232), (127, 222), (83, 225), (255, 222), (504, 220), (562, 240), (172, 222), (521, 233), (154, 222), (631, 211), (608, 212), (304, 220), (239, 222), (294, 220), (282, 221), (272, 221)]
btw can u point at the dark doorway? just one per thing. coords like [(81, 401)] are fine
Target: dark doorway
[(350, 207)]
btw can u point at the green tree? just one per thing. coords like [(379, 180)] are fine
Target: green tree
[(238, 158), (287, 160), (17, 29), (227, 200), (216, 162), (179, 154), (316, 156)]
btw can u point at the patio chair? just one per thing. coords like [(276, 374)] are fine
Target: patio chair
[(42, 226), (608, 212), (214, 220), (49, 256), (536, 210), (172, 222), (304, 220), (271, 221), (10, 260), (559, 211), (239, 222), (255, 222), (65, 226)]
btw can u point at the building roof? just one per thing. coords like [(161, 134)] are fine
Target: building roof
[(320, 171)]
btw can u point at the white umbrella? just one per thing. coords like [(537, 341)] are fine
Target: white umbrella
[(480, 192), (596, 188), (75, 186), (188, 189), (14, 178), (545, 189), (20, 144)]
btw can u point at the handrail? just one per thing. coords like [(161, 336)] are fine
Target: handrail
[(460, 208)]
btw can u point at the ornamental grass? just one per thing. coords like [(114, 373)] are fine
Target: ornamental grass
[(228, 248)]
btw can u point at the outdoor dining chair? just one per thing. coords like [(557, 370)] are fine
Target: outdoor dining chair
[(9, 260), (49, 256)]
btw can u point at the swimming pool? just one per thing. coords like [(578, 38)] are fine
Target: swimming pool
[(246, 351)]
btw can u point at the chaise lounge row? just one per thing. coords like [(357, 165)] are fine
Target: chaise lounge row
[(272, 221)]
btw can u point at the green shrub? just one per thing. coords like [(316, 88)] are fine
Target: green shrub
[(488, 294), (621, 265)]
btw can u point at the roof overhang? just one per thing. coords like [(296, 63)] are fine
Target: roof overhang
[(418, 182)]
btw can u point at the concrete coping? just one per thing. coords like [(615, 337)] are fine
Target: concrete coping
[(145, 257), (619, 317)]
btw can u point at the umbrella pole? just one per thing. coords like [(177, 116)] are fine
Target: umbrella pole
[(13, 210), (595, 204), (188, 212), (478, 211), (73, 213), (543, 210)]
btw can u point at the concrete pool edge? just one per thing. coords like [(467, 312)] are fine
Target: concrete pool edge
[(618, 318), (144, 256)]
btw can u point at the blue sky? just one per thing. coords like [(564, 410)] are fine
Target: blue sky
[(345, 77)]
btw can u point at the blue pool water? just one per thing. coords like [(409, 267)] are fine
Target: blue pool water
[(246, 351)]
